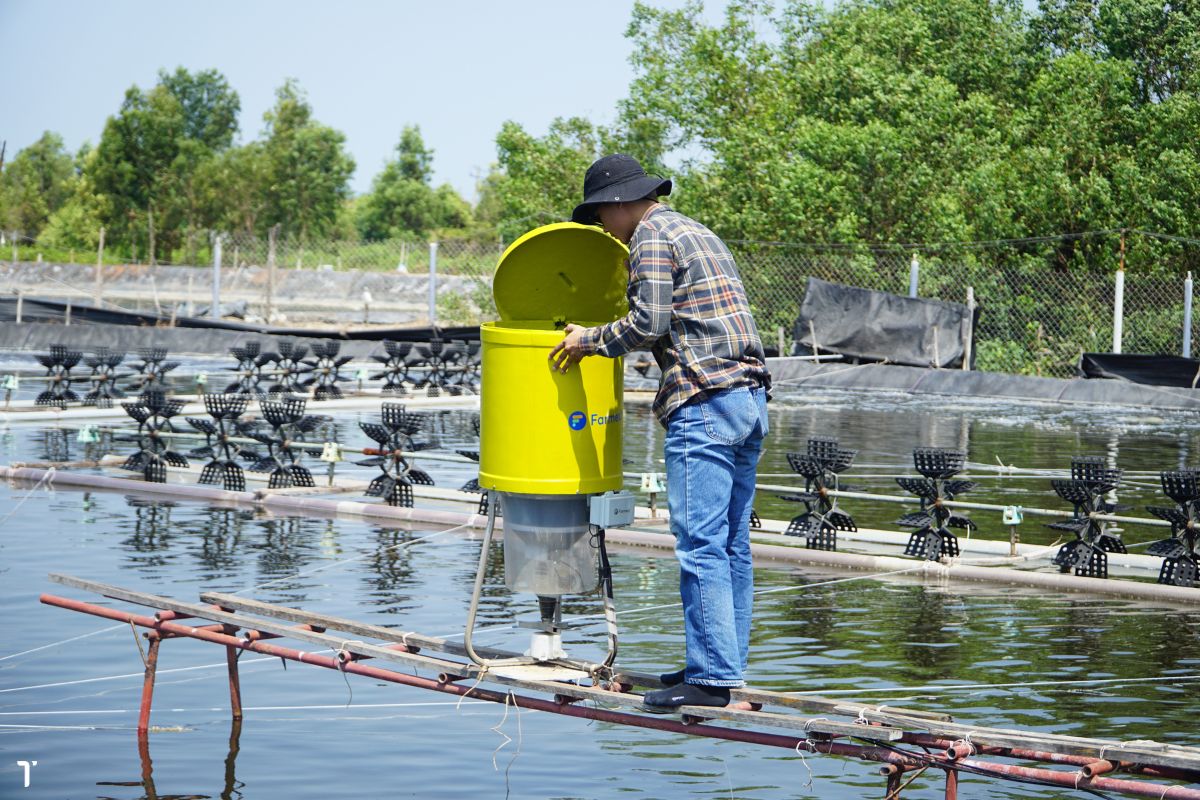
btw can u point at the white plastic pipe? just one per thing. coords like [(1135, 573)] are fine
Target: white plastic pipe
[(1118, 311), (1187, 316)]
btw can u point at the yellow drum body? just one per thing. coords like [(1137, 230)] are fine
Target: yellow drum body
[(542, 431)]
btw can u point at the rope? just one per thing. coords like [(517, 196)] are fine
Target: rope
[(62, 641), (831, 372), (964, 686), (345, 561), (239, 591), (45, 479), (125, 675), (902, 787), (478, 680), (872, 576), (499, 729), (138, 642)]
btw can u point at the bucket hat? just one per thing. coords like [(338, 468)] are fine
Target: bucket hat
[(615, 179)]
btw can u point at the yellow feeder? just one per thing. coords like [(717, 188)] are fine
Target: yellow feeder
[(541, 431), (550, 443)]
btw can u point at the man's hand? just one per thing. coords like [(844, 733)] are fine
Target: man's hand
[(569, 351)]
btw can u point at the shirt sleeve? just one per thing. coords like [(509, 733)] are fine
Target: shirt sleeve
[(651, 285)]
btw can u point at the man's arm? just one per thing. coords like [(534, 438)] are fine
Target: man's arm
[(650, 288), (651, 284)]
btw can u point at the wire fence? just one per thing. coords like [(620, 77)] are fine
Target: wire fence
[(1036, 316), (1034, 319)]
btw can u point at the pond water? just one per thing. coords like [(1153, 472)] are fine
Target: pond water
[(72, 705)]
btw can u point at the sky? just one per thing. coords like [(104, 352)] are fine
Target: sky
[(457, 69)]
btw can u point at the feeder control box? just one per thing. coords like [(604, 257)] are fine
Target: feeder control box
[(611, 509)]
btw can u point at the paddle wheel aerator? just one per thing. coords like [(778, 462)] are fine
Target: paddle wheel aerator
[(153, 413), (933, 538), (1090, 480), (324, 370), (285, 427), (220, 446), (1181, 552), (820, 465), (249, 369), (394, 435), (58, 364), (103, 363), (151, 373)]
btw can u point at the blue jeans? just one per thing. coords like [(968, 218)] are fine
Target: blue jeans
[(712, 448)]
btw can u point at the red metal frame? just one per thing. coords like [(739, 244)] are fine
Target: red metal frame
[(951, 757)]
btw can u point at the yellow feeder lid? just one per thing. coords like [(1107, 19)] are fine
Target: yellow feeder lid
[(564, 272)]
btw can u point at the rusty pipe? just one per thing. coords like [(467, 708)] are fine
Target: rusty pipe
[(960, 749), (865, 753), (1098, 767)]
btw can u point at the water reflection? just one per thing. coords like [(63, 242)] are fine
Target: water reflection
[(151, 529), (231, 788), (219, 539), (391, 574)]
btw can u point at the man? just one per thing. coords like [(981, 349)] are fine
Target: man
[(688, 306)]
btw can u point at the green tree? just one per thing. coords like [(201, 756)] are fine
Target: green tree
[(308, 169), (76, 224), (134, 161), (35, 184), (539, 179), (210, 107), (402, 201), (232, 187), (1161, 41)]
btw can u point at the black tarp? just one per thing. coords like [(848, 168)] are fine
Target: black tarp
[(1141, 368), (52, 311), (869, 326)]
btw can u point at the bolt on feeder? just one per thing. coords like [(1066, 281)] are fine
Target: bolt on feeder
[(550, 442)]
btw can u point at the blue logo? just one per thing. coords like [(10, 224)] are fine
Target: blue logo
[(577, 420)]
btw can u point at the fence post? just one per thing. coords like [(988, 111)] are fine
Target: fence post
[(215, 310), (968, 334), (98, 291), (20, 303), (914, 273), (433, 284), (1187, 316)]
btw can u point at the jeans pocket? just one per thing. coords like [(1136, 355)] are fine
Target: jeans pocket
[(730, 416)]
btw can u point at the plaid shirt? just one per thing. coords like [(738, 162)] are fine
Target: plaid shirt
[(688, 306)]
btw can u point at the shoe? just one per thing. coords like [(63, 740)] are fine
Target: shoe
[(671, 678), (666, 701)]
